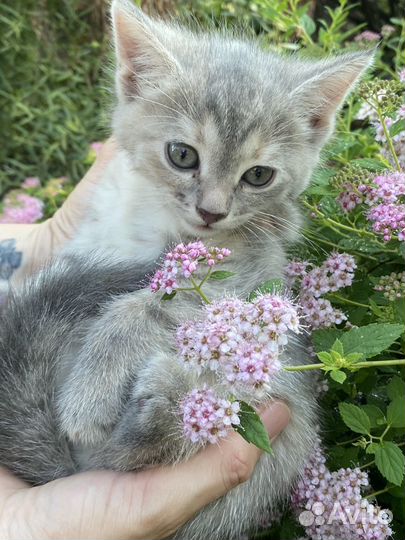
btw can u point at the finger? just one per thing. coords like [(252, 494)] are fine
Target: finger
[(173, 495)]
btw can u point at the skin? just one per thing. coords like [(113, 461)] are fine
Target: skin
[(104, 504)]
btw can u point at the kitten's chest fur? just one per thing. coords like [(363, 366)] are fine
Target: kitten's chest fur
[(130, 219)]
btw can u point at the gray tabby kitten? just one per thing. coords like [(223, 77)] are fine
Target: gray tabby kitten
[(218, 139)]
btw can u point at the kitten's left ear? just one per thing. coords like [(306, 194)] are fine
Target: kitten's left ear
[(141, 56), (325, 86)]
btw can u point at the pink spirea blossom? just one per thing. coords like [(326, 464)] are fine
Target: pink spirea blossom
[(241, 341), (313, 282), (21, 208), (333, 503), (31, 182), (207, 417), (402, 75), (388, 220), (184, 261), (367, 35), (349, 198)]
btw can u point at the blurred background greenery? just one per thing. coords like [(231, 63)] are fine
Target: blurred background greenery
[(54, 54)]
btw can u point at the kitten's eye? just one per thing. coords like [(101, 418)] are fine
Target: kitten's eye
[(259, 176), (182, 155)]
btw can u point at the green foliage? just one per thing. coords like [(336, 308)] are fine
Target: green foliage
[(51, 57), (252, 429)]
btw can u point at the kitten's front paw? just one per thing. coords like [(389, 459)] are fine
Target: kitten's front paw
[(84, 422)]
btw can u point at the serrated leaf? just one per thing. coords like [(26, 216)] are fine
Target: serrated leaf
[(354, 357), (251, 428), (371, 339), (273, 286), (371, 448), (168, 296), (390, 462), (370, 164), (359, 244), (324, 339), (375, 415), (338, 347), (396, 387), (355, 418), (396, 412), (338, 376), (326, 358), (219, 275)]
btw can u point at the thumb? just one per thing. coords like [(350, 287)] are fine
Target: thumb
[(186, 488)]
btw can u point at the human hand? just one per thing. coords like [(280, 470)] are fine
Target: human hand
[(146, 505)]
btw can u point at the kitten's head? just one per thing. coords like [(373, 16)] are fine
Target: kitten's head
[(228, 133)]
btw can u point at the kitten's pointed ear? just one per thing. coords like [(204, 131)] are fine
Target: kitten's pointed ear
[(141, 58), (326, 85)]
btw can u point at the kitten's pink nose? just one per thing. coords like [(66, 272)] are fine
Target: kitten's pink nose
[(208, 217)]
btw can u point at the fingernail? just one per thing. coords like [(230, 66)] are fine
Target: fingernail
[(275, 418)]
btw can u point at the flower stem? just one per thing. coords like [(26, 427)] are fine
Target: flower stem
[(380, 492), (336, 225), (198, 290), (388, 136), (343, 300), (358, 365)]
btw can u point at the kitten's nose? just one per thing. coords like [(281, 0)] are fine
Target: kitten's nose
[(208, 217)]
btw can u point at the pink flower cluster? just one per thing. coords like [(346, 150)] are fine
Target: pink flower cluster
[(21, 208), (31, 182), (207, 417), (240, 341), (334, 274), (330, 504), (367, 36), (184, 261), (385, 195)]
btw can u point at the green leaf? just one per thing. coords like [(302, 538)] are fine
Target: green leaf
[(399, 309), (370, 164), (251, 428), (168, 296), (338, 376), (396, 387), (308, 24), (355, 418), (326, 358), (396, 412), (390, 462), (359, 244), (221, 274), (371, 339), (372, 448), (375, 414), (396, 128), (273, 286), (338, 347), (354, 357), (324, 339)]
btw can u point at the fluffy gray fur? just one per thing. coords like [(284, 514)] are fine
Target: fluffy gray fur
[(88, 372)]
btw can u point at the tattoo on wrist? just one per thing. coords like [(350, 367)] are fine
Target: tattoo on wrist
[(10, 258)]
